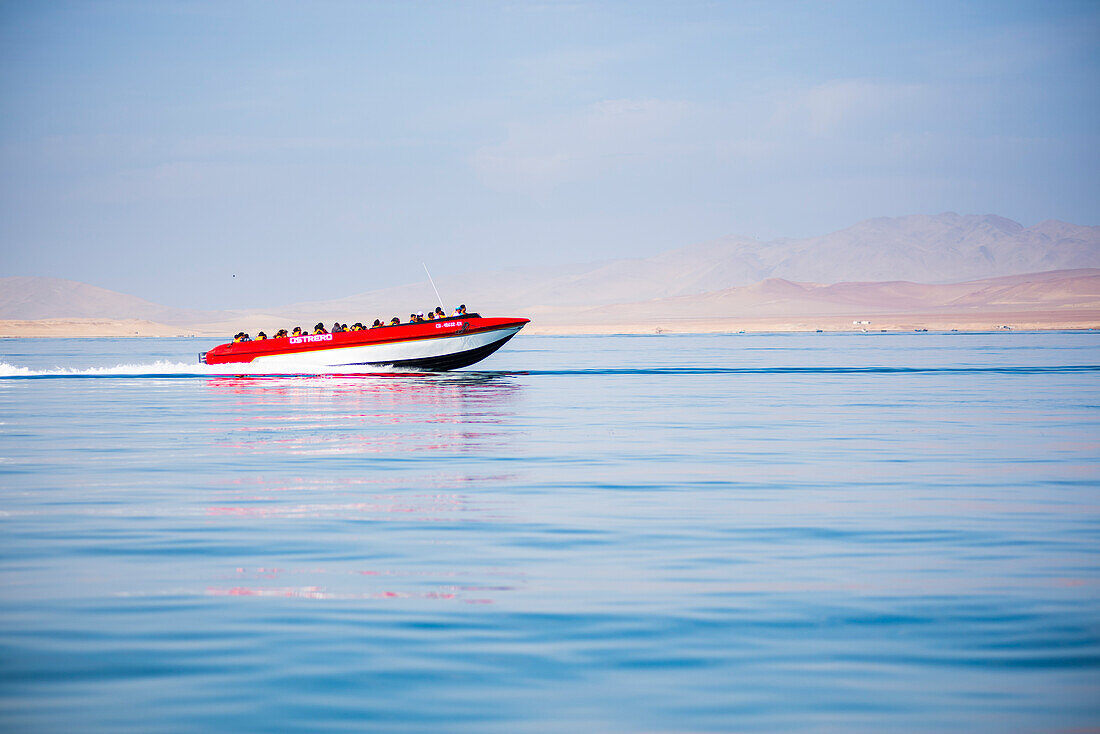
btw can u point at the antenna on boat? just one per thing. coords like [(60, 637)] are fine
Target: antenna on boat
[(433, 286)]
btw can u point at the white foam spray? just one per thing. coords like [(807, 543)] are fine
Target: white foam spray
[(162, 368)]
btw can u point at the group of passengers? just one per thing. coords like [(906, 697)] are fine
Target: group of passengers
[(337, 327)]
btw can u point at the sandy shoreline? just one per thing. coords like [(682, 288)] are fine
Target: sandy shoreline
[(92, 328), (983, 321)]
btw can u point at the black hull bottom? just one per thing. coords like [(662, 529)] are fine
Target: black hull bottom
[(444, 362)]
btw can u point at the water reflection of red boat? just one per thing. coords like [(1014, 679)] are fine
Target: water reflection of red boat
[(432, 345), (390, 413)]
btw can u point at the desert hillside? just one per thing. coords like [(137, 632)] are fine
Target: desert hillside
[(1057, 299), (1052, 300), (917, 264), (947, 248), (1065, 291), (31, 298)]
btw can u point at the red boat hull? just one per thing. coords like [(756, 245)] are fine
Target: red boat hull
[(444, 344)]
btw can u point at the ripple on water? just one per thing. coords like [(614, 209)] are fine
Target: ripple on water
[(750, 532)]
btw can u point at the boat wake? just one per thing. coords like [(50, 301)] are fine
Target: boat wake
[(162, 368)]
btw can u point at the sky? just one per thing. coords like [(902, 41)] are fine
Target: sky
[(251, 154)]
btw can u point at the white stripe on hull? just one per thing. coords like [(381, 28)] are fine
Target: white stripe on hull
[(388, 353)]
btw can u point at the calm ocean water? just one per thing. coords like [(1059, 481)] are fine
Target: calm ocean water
[(814, 532)]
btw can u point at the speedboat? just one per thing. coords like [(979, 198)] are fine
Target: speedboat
[(434, 346)]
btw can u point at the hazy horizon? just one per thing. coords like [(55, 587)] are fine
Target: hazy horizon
[(320, 150)]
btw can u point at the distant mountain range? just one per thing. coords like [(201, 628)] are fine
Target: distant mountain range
[(1052, 291), (727, 276), (948, 248), (49, 298)]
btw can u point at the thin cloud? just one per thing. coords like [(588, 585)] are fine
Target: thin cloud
[(584, 143), (839, 105)]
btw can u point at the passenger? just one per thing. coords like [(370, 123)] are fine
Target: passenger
[(460, 311), (319, 328), (395, 321), (357, 326), (297, 331), (431, 316), (245, 338), (280, 334), (439, 313), (336, 329), (420, 316), (237, 336), (413, 319), (261, 337), (376, 324)]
